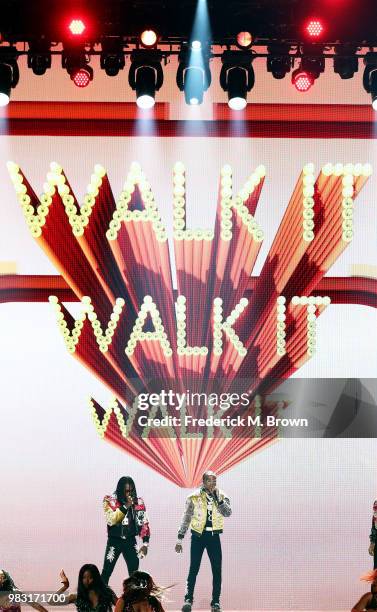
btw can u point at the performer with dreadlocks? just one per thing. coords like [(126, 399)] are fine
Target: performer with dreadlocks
[(126, 518), (369, 600), (93, 595), (7, 586), (140, 594)]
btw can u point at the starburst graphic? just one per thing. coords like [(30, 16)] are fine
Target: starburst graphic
[(137, 332)]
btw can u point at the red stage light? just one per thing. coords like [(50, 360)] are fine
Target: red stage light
[(148, 38), (314, 28), (302, 80), (77, 27), (81, 78), (244, 40)]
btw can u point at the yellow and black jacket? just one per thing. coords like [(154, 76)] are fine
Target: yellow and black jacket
[(122, 521), (195, 515)]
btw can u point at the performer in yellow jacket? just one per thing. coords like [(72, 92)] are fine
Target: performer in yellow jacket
[(204, 514)]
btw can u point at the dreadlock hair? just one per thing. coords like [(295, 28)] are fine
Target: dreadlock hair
[(140, 586), (119, 491), (8, 584), (105, 594)]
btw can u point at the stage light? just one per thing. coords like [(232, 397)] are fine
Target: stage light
[(112, 57), (145, 76), (244, 40), (237, 77), (237, 88), (345, 61), (39, 62), (39, 57), (311, 66), (112, 63), (314, 28), (370, 77), (9, 73), (193, 75), (145, 87), (194, 85), (148, 38), (82, 77), (76, 27), (77, 65), (279, 61), (302, 79), (5, 84)]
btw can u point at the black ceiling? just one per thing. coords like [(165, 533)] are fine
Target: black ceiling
[(268, 20)]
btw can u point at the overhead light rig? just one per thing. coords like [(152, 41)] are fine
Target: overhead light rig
[(306, 61), (290, 41)]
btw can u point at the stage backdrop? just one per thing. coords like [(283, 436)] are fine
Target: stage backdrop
[(298, 536)]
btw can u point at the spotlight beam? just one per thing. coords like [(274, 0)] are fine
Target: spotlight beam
[(193, 74)]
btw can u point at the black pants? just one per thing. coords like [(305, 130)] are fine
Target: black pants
[(212, 543), (114, 547)]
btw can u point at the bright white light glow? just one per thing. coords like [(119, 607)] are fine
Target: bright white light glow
[(4, 99), (145, 101), (149, 38), (196, 45), (237, 103), (77, 26), (194, 101), (374, 104)]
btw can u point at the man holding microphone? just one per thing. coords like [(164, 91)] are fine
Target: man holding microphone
[(126, 519), (204, 514)]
